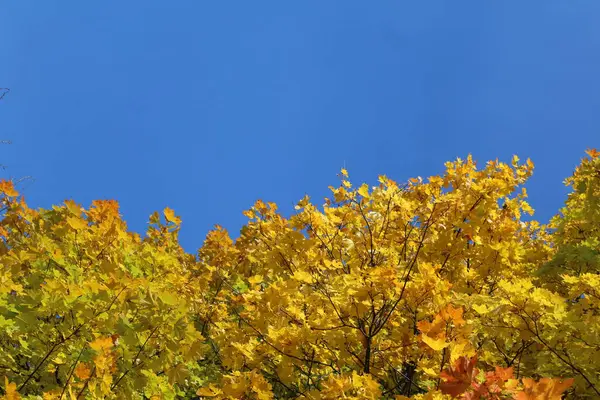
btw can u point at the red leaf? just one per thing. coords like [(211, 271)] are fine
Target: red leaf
[(458, 378)]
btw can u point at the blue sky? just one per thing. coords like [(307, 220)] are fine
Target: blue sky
[(207, 106)]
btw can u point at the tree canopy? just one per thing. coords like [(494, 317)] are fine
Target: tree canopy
[(430, 289)]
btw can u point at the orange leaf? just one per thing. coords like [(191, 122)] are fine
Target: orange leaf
[(593, 153), (502, 374), (454, 314), (8, 188), (83, 371), (458, 379), (545, 389)]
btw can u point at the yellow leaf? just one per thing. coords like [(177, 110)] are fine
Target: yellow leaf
[(364, 190), (529, 164), (154, 218), (57, 254), (52, 395), (255, 280), (285, 370), (71, 394), (76, 223), (303, 276), (59, 359), (430, 371), (178, 373), (73, 207), (435, 344), (102, 344), (168, 298), (480, 309), (210, 391), (170, 216), (10, 390), (461, 349)]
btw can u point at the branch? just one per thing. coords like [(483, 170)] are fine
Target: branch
[(135, 358), (3, 92), (71, 373), (407, 277), (64, 340)]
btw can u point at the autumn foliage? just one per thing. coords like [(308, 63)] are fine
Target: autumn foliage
[(432, 289)]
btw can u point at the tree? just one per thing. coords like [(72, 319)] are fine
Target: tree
[(89, 308), (393, 291), (390, 281)]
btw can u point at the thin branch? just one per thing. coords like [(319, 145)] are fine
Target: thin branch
[(135, 357), (65, 339), (71, 373), (3, 92)]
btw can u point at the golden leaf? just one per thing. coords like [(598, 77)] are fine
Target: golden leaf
[(8, 188), (592, 153), (210, 391), (102, 344), (76, 223), (83, 371), (255, 280), (10, 390), (435, 344), (364, 190), (170, 216)]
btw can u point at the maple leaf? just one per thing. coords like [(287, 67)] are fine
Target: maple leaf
[(435, 344), (77, 223), (302, 276), (453, 314), (593, 153), (256, 279), (210, 391), (102, 344), (8, 188), (545, 389), (501, 374), (364, 190), (10, 390), (83, 371), (459, 377), (178, 373), (170, 216)]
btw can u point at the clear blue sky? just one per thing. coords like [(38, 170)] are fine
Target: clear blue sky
[(207, 106)]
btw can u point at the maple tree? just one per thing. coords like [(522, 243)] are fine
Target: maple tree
[(432, 289)]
